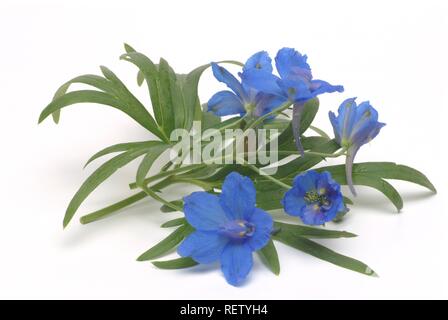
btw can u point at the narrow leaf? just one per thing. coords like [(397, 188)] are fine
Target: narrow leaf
[(121, 147), (166, 244), (91, 96), (166, 80), (151, 156), (321, 252), (100, 214), (174, 223), (180, 263), (151, 75), (387, 170), (96, 178), (311, 232), (269, 257)]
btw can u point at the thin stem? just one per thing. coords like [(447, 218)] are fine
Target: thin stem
[(326, 155), (259, 120), (257, 170), (100, 214), (155, 196), (168, 173)]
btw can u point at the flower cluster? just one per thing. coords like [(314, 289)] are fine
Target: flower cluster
[(230, 220), (229, 227), (261, 92)]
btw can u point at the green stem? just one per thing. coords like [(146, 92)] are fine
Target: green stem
[(278, 182), (326, 155), (168, 173), (155, 196), (100, 214), (259, 120)]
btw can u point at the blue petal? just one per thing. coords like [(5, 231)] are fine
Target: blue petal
[(236, 262), (295, 90), (335, 125), (293, 201), (262, 81), (327, 182), (292, 65), (224, 76), (263, 227), (203, 211), (238, 197), (366, 126), (225, 103), (306, 181), (310, 215), (346, 117), (259, 60), (319, 87), (203, 246), (266, 103)]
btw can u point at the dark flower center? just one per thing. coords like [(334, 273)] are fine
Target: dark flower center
[(317, 198), (292, 91), (238, 229)]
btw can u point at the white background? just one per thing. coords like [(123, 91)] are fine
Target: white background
[(393, 53)]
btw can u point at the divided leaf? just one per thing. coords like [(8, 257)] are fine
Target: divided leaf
[(96, 178)]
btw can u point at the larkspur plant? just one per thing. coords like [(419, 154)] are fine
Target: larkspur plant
[(231, 218)]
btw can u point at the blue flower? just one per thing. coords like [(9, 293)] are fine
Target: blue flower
[(353, 127), (295, 84), (314, 197), (228, 227), (242, 98)]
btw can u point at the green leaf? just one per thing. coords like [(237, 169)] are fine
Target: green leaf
[(302, 164), (371, 181), (321, 252), (310, 232), (269, 257), (121, 147), (278, 123), (151, 74), (309, 113), (180, 263), (190, 90), (107, 211), (96, 178), (270, 200), (136, 112), (348, 201), (167, 79), (140, 75), (386, 170), (178, 99), (151, 156), (166, 208), (164, 246), (209, 120), (89, 79), (100, 214), (174, 223)]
